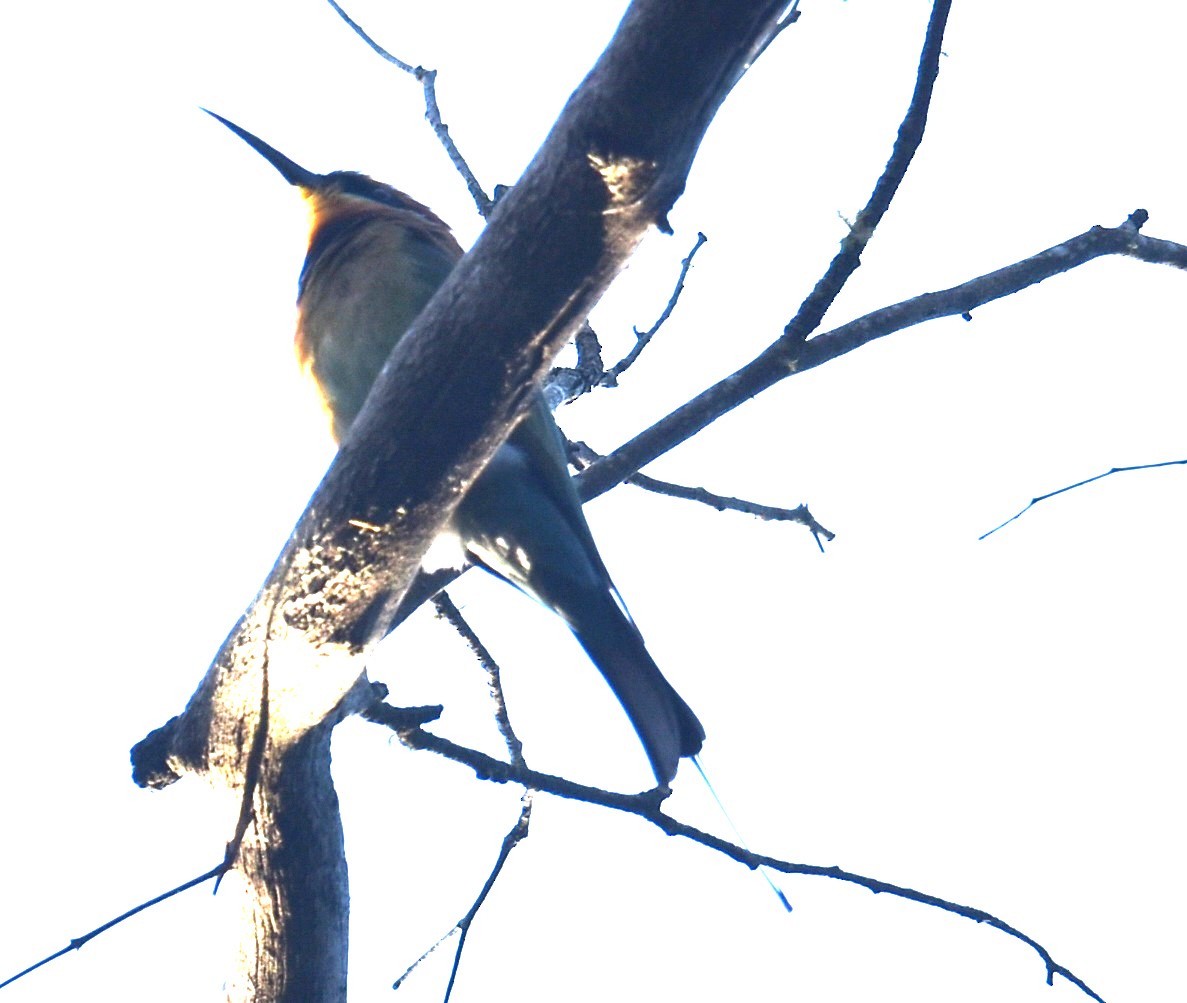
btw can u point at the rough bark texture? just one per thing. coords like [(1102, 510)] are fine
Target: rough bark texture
[(613, 165), (293, 863)]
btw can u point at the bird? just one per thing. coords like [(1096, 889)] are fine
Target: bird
[(375, 258)]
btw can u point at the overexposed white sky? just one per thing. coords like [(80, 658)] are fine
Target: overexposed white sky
[(997, 723)]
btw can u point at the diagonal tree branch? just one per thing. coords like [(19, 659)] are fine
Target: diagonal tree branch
[(428, 81), (692, 417), (453, 388), (787, 357), (448, 611), (585, 456), (648, 805), (1079, 484), (515, 835), (910, 135), (643, 338)]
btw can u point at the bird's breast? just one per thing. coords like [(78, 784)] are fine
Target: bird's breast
[(363, 284)]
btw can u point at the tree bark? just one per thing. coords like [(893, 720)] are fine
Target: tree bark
[(294, 866)]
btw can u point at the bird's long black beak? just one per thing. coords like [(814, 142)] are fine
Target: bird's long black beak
[(293, 173)]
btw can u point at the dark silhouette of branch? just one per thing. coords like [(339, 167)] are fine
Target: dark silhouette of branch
[(643, 338), (494, 676), (77, 943), (515, 835), (910, 135), (428, 81), (567, 384), (1079, 484), (779, 360), (377, 509), (335, 570), (786, 357), (449, 612), (374, 45), (586, 457), (647, 805), (692, 417), (611, 168)]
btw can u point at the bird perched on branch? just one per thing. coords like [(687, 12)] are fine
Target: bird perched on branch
[(375, 259)]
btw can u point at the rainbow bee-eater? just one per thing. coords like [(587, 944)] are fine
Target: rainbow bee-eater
[(375, 258)]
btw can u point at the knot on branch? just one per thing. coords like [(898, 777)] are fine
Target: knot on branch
[(150, 762)]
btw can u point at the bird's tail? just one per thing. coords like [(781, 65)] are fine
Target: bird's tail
[(667, 727), (522, 521)]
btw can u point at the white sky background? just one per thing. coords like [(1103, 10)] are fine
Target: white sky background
[(997, 723)]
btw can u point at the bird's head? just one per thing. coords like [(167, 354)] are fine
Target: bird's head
[(346, 193)]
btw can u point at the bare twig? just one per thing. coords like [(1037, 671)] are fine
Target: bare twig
[(494, 678), (910, 135), (647, 805), (565, 385), (585, 456), (643, 338), (687, 420), (514, 837), (77, 943), (778, 361), (374, 45), (449, 612), (1079, 484), (785, 357), (428, 81)]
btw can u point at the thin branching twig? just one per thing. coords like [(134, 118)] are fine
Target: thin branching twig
[(494, 676), (910, 135), (780, 359), (76, 943), (647, 805), (565, 384), (785, 358), (1079, 484), (585, 456), (514, 836), (643, 338), (428, 81), (448, 611)]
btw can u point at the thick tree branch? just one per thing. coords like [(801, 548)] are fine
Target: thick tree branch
[(612, 167), (454, 386), (294, 865)]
